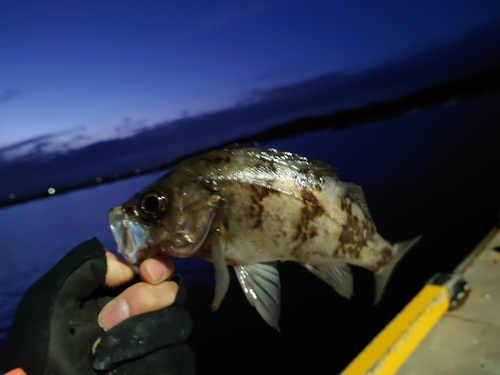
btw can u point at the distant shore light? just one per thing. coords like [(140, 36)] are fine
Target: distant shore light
[(51, 190)]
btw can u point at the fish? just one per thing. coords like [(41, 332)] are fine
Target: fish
[(250, 208)]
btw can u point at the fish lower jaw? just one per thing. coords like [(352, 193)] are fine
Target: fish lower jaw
[(139, 255), (132, 258)]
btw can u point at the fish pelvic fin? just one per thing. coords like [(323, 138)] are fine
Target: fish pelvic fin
[(261, 284), (339, 278), (383, 275)]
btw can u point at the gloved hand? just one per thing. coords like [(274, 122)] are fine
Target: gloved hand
[(56, 326)]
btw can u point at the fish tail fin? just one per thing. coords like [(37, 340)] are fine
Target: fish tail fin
[(383, 275)]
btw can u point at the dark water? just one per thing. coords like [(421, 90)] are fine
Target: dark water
[(435, 173)]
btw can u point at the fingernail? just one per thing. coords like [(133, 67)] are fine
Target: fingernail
[(156, 270), (113, 313), (96, 344)]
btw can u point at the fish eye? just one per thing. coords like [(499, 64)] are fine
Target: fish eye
[(152, 204)]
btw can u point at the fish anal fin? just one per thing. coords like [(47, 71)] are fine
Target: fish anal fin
[(358, 194), (261, 284), (383, 275), (339, 278)]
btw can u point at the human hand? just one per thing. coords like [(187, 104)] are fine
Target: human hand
[(153, 293), (56, 324)]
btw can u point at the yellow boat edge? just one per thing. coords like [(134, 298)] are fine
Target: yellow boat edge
[(393, 345), (385, 354)]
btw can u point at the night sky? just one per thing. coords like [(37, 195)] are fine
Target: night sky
[(101, 69), (93, 88)]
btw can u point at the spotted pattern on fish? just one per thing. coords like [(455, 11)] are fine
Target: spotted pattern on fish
[(211, 161), (385, 257), (356, 233), (310, 210), (256, 207)]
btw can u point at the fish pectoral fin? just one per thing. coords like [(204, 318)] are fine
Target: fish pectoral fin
[(339, 278), (261, 284), (221, 272)]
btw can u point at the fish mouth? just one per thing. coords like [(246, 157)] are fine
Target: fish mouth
[(130, 236), (132, 239)]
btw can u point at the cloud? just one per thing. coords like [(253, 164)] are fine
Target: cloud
[(146, 147), (47, 145), (129, 127), (8, 95)]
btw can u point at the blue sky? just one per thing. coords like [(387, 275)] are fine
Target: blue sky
[(101, 69)]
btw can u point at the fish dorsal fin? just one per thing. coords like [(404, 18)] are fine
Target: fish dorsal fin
[(339, 278), (315, 167), (261, 284), (325, 169), (358, 194)]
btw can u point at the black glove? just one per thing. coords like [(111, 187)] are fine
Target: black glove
[(56, 326)]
